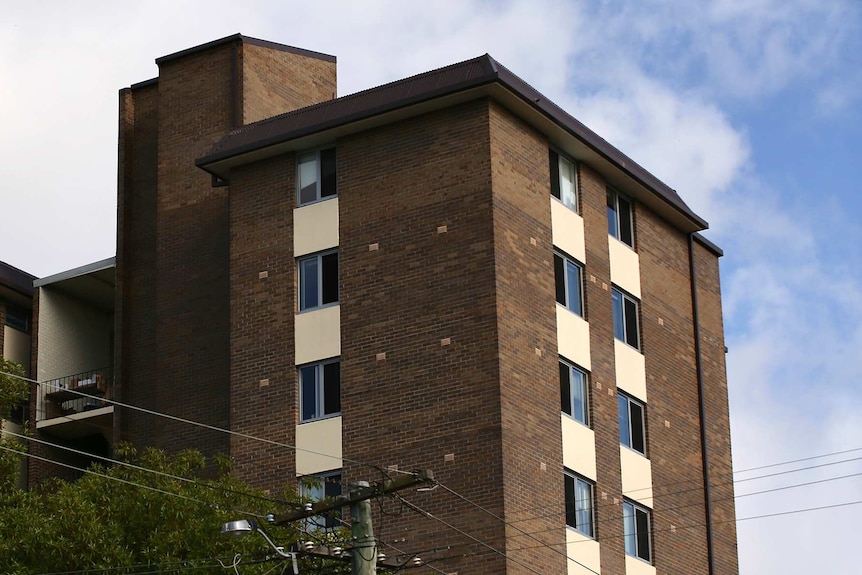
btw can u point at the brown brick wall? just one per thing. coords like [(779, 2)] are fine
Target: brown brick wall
[(261, 321), (397, 185), (134, 313), (672, 409), (529, 382), (275, 82), (717, 413)]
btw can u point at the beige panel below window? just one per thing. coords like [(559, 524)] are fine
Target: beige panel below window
[(625, 267), (631, 370), (322, 440), (315, 227), (16, 346), (579, 447), (567, 229), (317, 334), (585, 551), (635, 566), (573, 337), (636, 476)]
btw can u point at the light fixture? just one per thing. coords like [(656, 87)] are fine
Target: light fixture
[(240, 527)]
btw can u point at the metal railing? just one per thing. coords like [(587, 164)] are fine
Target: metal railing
[(78, 393)]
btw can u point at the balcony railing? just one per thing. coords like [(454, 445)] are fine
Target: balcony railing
[(73, 394)]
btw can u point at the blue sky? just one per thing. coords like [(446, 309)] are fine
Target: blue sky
[(750, 109)]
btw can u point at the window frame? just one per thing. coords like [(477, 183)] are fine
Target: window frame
[(311, 491), (575, 480), (319, 385), (556, 161), (317, 154), (616, 228), (627, 432), (568, 262), (637, 544), (571, 368), (623, 327), (318, 257)]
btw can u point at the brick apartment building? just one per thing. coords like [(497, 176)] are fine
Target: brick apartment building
[(447, 272)]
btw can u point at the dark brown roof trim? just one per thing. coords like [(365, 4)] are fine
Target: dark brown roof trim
[(423, 87), (246, 40), (145, 83), (16, 279), (708, 244)]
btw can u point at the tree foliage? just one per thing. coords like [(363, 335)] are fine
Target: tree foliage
[(124, 519)]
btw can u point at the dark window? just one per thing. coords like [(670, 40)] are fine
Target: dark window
[(568, 279), (636, 529), (564, 180), (632, 430), (625, 310), (319, 390), (579, 504), (316, 175), (318, 280), (322, 486), (620, 217), (573, 392), (17, 317)]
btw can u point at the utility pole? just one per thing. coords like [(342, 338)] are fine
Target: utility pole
[(364, 546), (364, 551)]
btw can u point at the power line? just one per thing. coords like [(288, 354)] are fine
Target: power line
[(206, 425), (465, 534), (147, 470), (495, 516), (127, 482)]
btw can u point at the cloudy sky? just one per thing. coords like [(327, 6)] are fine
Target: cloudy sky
[(749, 108)]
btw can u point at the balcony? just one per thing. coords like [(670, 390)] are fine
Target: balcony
[(75, 405)]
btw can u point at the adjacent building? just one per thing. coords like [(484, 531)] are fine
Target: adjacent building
[(447, 272)]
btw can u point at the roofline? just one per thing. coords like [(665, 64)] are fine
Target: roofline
[(77, 272), (245, 40), (500, 75), (145, 83), (16, 279), (699, 238)]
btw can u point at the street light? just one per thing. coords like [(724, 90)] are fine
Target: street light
[(240, 527)]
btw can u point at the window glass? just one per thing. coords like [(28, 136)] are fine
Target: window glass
[(612, 214), (573, 392), (573, 287), (17, 318), (327, 173), (642, 530), (331, 388), (584, 499), (629, 531), (568, 184), (317, 487), (636, 415), (631, 319), (330, 278), (617, 304), (625, 221), (560, 279), (309, 286), (307, 178), (308, 392), (625, 423)]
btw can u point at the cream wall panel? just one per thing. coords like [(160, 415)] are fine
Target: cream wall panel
[(573, 337), (631, 370), (315, 227), (73, 337), (635, 566), (16, 347), (567, 230), (585, 551), (625, 267), (317, 334), (579, 447), (323, 437), (636, 476)]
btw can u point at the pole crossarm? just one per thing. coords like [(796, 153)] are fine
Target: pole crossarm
[(361, 494)]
